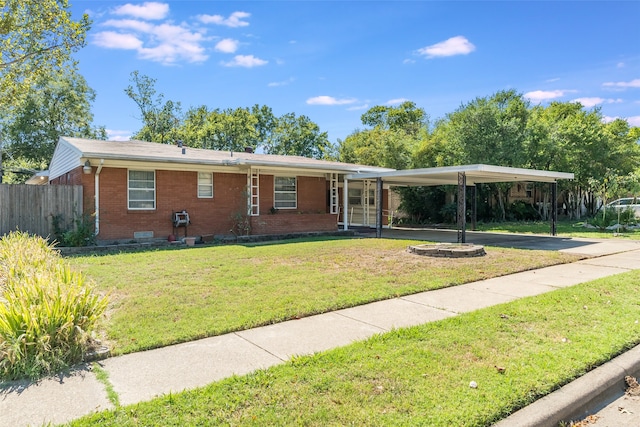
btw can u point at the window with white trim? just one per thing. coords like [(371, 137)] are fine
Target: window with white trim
[(142, 189), (285, 196), (205, 185)]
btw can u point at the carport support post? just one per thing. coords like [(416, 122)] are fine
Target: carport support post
[(345, 204), (462, 204), (554, 208), (474, 208), (378, 207)]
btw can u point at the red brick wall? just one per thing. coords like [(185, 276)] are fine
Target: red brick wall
[(177, 191), (291, 222)]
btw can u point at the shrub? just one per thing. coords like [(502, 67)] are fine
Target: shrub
[(611, 216), (46, 310), (521, 211), (81, 232)]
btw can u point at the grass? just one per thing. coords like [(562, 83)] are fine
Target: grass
[(421, 375), (565, 228), (170, 296), (103, 377)]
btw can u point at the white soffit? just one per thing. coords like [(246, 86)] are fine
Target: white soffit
[(475, 174)]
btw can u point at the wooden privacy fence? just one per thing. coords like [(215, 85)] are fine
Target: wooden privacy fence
[(31, 208)]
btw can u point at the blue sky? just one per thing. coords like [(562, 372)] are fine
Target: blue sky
[(332, 60)]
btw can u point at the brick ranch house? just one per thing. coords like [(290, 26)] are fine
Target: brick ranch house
[(138, 189)]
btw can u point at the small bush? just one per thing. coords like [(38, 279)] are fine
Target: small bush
[(611, 216), (81, 232), (46, 310), (521, 211)]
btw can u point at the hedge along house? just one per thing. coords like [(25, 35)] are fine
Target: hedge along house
[(138, 190)]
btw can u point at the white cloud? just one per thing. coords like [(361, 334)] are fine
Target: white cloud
[(118, 135), (409, 61), (358, 107), (634, 120), (147, 10), (555, 79), (592, 102), (282, 83), (130, 24), (165, 43), (620, 65), (544, 95), (458, 45), (329, 100), (113, 40), (623, 85), (234, 20), (396, 101), (227, 45), (247, 61)]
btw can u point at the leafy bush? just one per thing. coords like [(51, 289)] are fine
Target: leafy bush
[(611, 216), (81, 232), (521, 211), (46, 310)]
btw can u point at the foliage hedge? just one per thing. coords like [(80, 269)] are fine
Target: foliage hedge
[(47, 311)]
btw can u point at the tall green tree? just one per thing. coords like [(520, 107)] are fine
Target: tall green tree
[(391, 138), (161, 120), (406, 117), (58, 105), (37, 39), (297, 136)]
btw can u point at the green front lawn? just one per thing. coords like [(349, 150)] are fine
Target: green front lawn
[(169, 296), (565, 228), (421, 375)]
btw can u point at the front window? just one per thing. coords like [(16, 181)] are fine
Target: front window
[(142, 189), (205, 185), (285, 192)]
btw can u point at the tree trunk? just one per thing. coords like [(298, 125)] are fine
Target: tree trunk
[(501, 204)]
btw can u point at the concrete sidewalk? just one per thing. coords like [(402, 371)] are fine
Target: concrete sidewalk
[(141, 376)]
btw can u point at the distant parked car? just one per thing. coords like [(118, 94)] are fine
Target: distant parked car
[(626, 202)]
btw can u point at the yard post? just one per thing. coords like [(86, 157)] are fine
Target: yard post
[(378, 207), (462, 205), (554, 208)]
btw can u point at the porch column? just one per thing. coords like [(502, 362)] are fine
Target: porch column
[(554, 208), (474, 208), (462, 203), (345, 204), (378, 207)]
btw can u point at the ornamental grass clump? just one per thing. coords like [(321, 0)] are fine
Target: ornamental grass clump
[(47, 311)]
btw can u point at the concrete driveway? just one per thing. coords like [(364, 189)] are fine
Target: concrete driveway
[(589, 247)]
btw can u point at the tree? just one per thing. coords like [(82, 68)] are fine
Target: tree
[(297, 136), (406, 117), (58, 105), (160, 121), (489, 130), (36, 39)]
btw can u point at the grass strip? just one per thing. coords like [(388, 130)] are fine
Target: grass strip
[(565, 228), (170, 296), (103, 377), (421, 375)]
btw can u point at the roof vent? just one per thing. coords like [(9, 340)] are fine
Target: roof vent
[(248, 150)]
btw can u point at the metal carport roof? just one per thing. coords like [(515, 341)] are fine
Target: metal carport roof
[(455, 175), (475, 174)]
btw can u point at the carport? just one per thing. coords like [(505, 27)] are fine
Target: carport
[(463, 177)]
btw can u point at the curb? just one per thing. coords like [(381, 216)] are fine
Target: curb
[(581, 397)]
